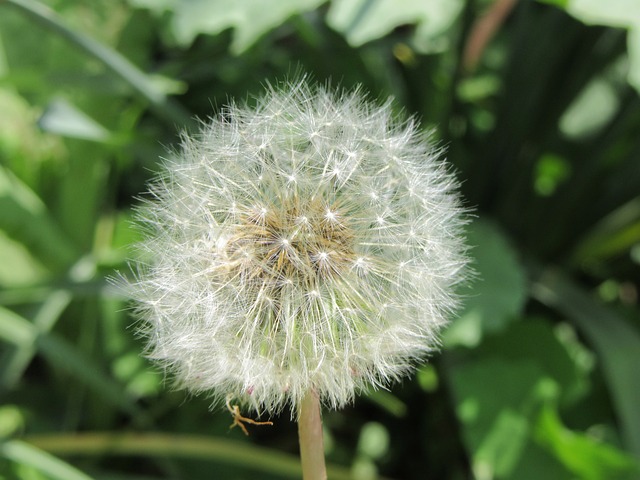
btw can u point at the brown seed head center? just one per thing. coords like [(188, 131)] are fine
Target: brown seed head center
[(303, 243)]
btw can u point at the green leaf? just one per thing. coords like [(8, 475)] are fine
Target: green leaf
[(17, 265), (558, 3), (54, 468), (388, 402), (250, 19), (496, 427), (498, 294), (15, 329), (633, 49), (139, 81), (62, 118), (362, 21), (594, 107), (612, 13), (26, 219), (535, 338), (499, 388), (160, 445), (616, 343), (23, 148), (616, 233), (45, 319), (63, 355), (587, 458)]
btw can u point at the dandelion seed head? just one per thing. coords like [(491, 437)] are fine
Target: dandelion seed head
[(310, 242)]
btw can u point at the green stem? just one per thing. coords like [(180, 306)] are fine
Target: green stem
[(138, 80), (310, 437)]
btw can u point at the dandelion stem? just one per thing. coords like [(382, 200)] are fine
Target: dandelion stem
[(310, 437)]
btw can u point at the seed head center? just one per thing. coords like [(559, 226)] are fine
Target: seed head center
[(301, 242)]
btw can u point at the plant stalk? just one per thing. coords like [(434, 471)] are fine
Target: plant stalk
[(310, 438), (168, 110)]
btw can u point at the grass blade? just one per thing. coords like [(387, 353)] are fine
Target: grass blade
[(52, 467), (22, 333), (138, 80), (231, 452)]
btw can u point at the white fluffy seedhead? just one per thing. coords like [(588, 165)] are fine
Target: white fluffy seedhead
[(311, 242)]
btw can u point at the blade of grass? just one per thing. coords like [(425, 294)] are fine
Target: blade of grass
[(54, 468), (168, 110), (44, 320), (231, 452), (615, 341), (24, 334), (26, 219)]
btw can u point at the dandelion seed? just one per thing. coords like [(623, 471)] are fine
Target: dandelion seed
[(289, 253)]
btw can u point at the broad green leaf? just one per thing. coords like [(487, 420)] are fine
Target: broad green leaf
[(499, 388), (498, 294), (535, 338), (587, 458), (612, 13), (496, 427), (615, 13), (53, 468), (362, 21), (633, 50), (63, 118), (615, 341), (250, 19)]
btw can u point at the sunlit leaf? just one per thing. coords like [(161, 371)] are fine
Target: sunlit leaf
[(496, 427), (62, 118), (497, 296), (587, 458), (52, 467), (616, 13), (616, 342), (17, 265), (362, 21), (499, 388), (593, 109), (612, 13), (250, 19), (618, 232)]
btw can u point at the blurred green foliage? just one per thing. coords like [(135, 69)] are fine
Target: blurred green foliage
[(538, 377)]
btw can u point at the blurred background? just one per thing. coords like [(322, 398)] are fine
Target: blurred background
[(537, 104)]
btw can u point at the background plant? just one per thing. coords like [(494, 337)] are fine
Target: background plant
[(541, 119)]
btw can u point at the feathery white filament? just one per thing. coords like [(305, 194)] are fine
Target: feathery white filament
[(312, 242)]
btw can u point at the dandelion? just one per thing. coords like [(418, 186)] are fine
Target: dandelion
[(299, 251)]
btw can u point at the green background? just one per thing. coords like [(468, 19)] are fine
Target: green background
[(538, 106)]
